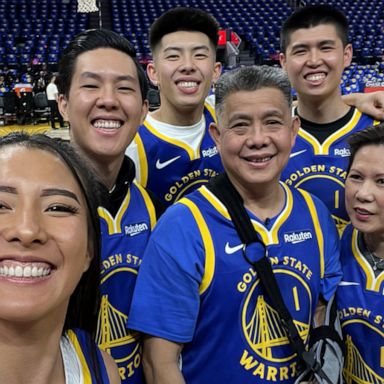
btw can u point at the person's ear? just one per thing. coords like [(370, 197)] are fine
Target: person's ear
[(152, 73), (214, 131), (62, 103), (282, 60), (216, 72), (144, 111), (295, 129), (348, 54)]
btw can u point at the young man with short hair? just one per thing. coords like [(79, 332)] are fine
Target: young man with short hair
[(103, 96), (173, 151), (315, 51)]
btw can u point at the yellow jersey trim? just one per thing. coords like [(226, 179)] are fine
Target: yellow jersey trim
[(211, 110), (323, 149), (114, 224), (373, 282), (143, 161), (268, 237), (178, 143), (84, 366), (148, 203), (191, 153), (208, 244), (316, 223)]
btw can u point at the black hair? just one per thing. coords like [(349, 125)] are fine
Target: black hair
[(88, 41), (84, 302), (183, 19), (312, 16), (372, 135)]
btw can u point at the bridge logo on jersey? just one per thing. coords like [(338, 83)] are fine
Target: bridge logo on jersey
[(356, 370), (112, 334), (297, 237), (261, 323)]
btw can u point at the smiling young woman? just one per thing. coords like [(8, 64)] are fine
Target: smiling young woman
[(49, 265), (360, 293)]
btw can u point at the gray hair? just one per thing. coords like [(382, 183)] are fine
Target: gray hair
[(250, 79)]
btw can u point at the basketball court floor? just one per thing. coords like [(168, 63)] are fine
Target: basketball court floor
[(33, 129)]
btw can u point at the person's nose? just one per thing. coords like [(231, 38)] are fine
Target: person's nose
[(256, 137), (364, 192), (188, 63), (25, 226), (314, 57), (108, 98)]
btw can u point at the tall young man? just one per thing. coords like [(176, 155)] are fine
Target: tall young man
[(103, 96), (315, 51), (173, 151), (197, 298)]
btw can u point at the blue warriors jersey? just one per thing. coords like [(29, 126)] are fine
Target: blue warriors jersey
[(82, 344), (360, 301), (124, 238), (196, 288), (321, 168), (170, 168)]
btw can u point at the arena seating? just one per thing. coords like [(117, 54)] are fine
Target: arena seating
[(257, 22), (36, 31)]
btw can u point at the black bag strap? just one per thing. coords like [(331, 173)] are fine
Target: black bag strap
[(223, 189)]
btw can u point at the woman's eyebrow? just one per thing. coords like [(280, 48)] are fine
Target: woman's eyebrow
[(59, 191)]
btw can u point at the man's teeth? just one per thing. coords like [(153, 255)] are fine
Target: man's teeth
[(107, 124), (261, 160), (362, 211), (24, 271), (316, 77), (188, 84)]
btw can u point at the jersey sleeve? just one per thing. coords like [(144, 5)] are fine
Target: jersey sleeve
[(332, 265), (166, 298)]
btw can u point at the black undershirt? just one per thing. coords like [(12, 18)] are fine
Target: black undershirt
[(124, 179), (323, 131)]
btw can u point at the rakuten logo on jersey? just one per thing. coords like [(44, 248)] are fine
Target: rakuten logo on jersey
[(135, 229), (297, 237), (342, 152), (212, 151)]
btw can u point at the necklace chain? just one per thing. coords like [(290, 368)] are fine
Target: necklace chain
[(376, 263)]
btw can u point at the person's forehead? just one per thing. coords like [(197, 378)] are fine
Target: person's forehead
[(104, 59), (104, 56), (267, 93), (317, 32), (10, 153), (184, 39), (267, 100)]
